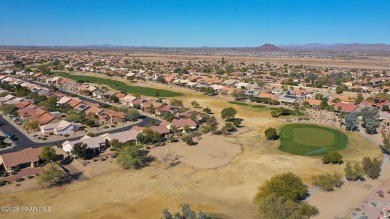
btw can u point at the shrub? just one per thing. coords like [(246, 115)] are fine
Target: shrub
[(3, 183), (270, 133), (327, 182), (19, 179), (66, 135), (333, 157), (188, 140)]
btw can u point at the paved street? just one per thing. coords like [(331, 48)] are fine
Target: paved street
[(24, 142)]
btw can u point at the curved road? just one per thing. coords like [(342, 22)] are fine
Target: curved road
[(25, 142)]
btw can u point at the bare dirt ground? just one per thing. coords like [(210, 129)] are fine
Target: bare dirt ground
[(224, 186), (373, 62), (210, 152)]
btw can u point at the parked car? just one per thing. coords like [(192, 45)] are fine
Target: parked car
[(11, 136)]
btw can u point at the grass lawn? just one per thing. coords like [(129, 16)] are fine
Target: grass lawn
[(41, 65), (121, 86), (308, 140)]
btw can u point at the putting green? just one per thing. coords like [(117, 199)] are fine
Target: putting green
[(310, 140)]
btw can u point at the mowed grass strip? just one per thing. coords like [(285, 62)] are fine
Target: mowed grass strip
[(308, 140), (121, 86)]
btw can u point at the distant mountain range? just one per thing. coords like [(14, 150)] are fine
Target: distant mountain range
[(339, 47), (350, 47)]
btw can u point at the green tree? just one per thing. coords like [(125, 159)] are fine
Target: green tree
[(327, 182), (9, 109), (286, 185), (358, 172), (186, 213), (349, 173), (52, 175), (229, 127), (339, 89), (33, 125), (47, 154), (238, 95), (195, 104), (207, 110), (333, 157), (168, 116), (114, 99), (228, 113), (281, 197), (351, 121), (324, 103), (370, 119), (359, 98), (274, 207), (186, 128), (132, 157), (366, 163), (116, 144), (237, 122), (176, 102), (271, 133), (375, 169), (132, 115), (188, 139), (80, 150)]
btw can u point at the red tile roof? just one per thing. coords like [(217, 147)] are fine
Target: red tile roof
[(345, 107), (20, 157)]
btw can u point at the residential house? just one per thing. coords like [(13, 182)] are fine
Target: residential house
[(162, 130), (95, 144), (179, 124), (345, 107), (110, 116), (289, 99), (122, 137), (60, 128), (20, 159), (166, 108)]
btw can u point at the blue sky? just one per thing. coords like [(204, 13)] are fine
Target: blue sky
[(193, 23)]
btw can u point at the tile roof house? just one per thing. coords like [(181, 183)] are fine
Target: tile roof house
[(81, 107), (60, 128), (126, 136), (183, 122), (162, 130), (94, 143), (289, 99), (24, 158), (127, 99), (63, 100), (313, 102), (6, 98), (166, 108), (110, 116), (94, 110), (22, 104), (73, 102), (45, 118), (345, 107)]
